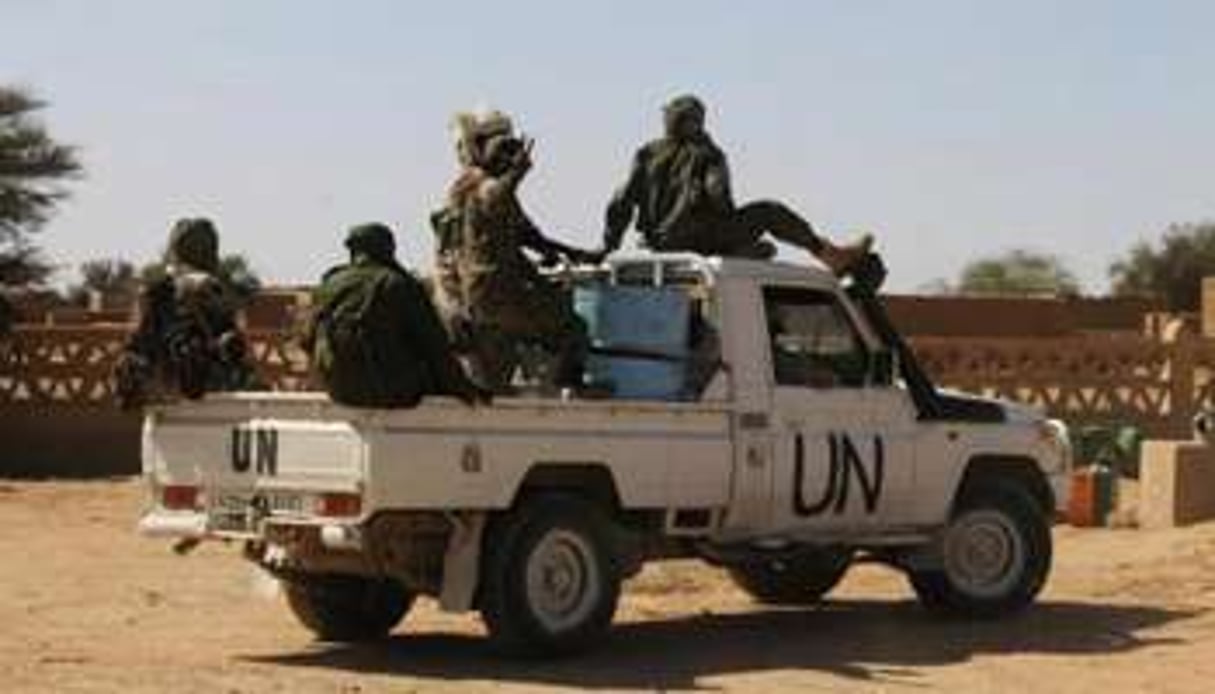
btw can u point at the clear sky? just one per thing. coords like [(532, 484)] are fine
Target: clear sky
[(950, 129)]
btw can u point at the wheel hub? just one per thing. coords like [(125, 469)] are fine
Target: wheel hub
[(562, 583), (982, 553)]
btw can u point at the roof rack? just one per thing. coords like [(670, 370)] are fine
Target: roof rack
[(659, 269)]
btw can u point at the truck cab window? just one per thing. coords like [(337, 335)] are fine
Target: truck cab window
[(813, 341)]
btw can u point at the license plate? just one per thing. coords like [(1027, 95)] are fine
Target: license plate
[(233, 522), (262, 504)]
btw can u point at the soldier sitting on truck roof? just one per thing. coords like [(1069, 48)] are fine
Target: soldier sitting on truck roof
[(186, 339), (375, 338), (678, 192), (501, 298)]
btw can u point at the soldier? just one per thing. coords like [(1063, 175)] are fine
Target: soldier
[(471, 131), (678, 192), (186, 339), (375, 338), (502, 298)]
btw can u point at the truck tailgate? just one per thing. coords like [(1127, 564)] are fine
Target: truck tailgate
[(231, 474)]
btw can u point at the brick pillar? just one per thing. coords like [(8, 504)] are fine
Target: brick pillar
[(1182, 402), (1208, 307)]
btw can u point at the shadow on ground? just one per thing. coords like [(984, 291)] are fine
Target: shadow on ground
[(854, 640)]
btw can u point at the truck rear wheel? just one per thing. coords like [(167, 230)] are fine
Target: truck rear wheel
[(799, 578), (347, 608), (996, 554), (550, 580)]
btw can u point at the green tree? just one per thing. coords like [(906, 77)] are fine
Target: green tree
[(1018, 273), (110, 277), (1171, 270), (32, 169)]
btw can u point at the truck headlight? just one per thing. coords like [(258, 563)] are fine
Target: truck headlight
[(1053, 434)]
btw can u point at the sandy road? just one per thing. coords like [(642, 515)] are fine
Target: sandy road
[(87, 606)]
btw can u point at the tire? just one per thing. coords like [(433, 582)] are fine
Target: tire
[(550, 581), (801, 578), (348, 608), (996, 555)]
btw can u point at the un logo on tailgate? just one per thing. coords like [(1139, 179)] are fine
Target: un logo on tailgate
[(254, 448)]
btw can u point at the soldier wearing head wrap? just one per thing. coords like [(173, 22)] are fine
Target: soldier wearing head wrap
[(471, 132), (375, 338), (186, 340), (501, 300), (678, 196)]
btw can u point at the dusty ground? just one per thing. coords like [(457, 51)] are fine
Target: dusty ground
[(85, 605)]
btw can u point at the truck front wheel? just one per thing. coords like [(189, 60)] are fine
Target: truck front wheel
[(799, 578), (995, 554), (347, 608), (550, 580)]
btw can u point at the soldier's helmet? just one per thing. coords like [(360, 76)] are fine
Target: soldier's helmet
[(194, 242), (683, 115), (472, 129), (373, 239)]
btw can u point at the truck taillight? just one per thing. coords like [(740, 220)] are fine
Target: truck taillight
[(179, 497), (339, 504)]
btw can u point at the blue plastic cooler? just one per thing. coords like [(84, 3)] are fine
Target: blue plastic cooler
[(637, 319)]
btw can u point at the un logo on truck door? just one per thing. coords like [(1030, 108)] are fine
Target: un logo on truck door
[(254, 448), (846, 462)]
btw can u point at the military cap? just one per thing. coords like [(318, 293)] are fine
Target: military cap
[(683, 106), (374, 239)]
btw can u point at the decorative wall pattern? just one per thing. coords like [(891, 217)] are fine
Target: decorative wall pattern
[(1095, 378)]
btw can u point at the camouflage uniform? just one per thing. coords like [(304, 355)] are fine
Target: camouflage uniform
[(375, 338), (504, 299), (471, 132), (186, 340), (678, 194)]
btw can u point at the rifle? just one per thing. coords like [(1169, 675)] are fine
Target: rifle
[(867, 276)]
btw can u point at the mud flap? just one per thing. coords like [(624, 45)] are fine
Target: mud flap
[(461, 562)]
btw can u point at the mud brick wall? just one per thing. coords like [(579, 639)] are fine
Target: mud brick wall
[(57, 411), (1086, 361)]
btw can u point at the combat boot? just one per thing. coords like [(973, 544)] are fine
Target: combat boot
[(840, 259)]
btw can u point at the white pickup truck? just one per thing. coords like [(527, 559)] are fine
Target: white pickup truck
[(809, 440)]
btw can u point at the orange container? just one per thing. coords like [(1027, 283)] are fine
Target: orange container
[(1090, 497)]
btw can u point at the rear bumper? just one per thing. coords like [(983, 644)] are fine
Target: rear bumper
[(194, 526), (177, 526)]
